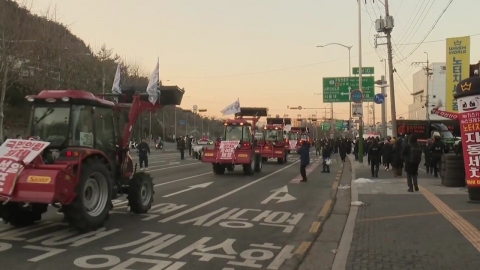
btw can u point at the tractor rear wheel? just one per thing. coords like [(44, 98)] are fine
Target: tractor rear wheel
[(218, 169), (19, 216), (249, 169), (90, 208), (140, 193), (258, 163)]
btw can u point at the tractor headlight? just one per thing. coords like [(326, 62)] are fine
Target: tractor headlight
[(30, 99), (65, 99)]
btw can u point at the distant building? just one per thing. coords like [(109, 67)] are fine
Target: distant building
[(436, 91)]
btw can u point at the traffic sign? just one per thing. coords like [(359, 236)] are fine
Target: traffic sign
[(357, 110), (299, 107), (182, 122), (356, 96), (365, 70), (195, 108), (338, 89), (379, 99)]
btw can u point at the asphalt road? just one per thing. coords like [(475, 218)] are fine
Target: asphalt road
[(198, 221)]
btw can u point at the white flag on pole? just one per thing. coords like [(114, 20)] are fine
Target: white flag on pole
[(152, 88), (116, 81), (232, 108)]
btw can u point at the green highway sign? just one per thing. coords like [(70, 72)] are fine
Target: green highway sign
[(365, 70), (338, 89), (325, 126)]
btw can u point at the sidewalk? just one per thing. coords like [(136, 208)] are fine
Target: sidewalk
[(434, 228)]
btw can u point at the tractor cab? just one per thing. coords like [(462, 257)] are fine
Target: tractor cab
[(274, 132), (237, 130), (299, 134), (69, 119)]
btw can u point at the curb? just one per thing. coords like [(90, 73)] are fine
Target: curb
[(340, 259), (324, 214)]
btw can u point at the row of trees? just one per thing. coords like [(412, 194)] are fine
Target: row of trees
[(37, 53)]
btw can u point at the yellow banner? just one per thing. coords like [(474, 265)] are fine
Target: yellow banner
[(458, 68)]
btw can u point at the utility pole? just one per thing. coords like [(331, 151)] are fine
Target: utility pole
[(427, 92), (388, 31), (386, 26)]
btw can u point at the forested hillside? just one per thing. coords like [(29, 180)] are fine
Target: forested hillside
[(37, 53)]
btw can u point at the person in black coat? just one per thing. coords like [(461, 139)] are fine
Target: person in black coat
[(397, 158), (304, 152), (143, 152), (387, 154), (326, 153), (343, 149), (374, 154), (428, 155)]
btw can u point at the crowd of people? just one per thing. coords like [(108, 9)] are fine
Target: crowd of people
[(396, 154)]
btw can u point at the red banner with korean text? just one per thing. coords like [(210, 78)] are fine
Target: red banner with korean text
[(11, 152), (470, 129), (227, 149)]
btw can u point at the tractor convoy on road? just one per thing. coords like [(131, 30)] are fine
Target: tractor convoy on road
[(77, 157)]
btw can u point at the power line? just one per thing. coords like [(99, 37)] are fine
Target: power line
[(431, 29), (412, 33), (433, 41)]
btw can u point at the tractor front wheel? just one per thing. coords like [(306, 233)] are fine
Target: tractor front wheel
[(90, 208), (218, 169), (140, 193), (20, 215)]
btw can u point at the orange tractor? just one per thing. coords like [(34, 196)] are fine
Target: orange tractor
[(274, 143), (86, 162), (298, 135), (238, 145)]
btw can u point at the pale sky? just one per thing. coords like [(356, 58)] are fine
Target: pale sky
[(264, 51)]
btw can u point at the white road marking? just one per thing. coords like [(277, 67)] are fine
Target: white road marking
[(225, 195), (162, 184), (204, 185), (285, 198)]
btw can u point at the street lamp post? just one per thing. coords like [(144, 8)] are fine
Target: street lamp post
[(360, 78), (349, 75)]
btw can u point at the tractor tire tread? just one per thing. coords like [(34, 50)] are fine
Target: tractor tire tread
[(75, 213), (134, 197)]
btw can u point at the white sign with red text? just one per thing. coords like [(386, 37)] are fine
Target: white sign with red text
[(293, 145), (11, 151), (227, 149)]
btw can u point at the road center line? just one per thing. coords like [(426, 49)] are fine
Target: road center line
[(172, 167), (224, 195)]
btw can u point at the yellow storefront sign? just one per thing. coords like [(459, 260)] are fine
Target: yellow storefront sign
[(39, 179), (458, 68)]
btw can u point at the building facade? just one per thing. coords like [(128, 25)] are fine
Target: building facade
[(436, 91)]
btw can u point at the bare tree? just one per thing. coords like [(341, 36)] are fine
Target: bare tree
[(12, 47)]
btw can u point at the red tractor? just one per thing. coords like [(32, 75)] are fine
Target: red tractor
[(87, 161), (274, 143), (237, 147), (298, 134)]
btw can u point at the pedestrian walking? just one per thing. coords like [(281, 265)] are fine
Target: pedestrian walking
[(343, 149), (318, 146), (428, 156), (143, 152), (374, 154), (190, 142), (326, 153), (412, 154), (397, 158), (304, 152), (386, 153), (181, 144), (437, 150)]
